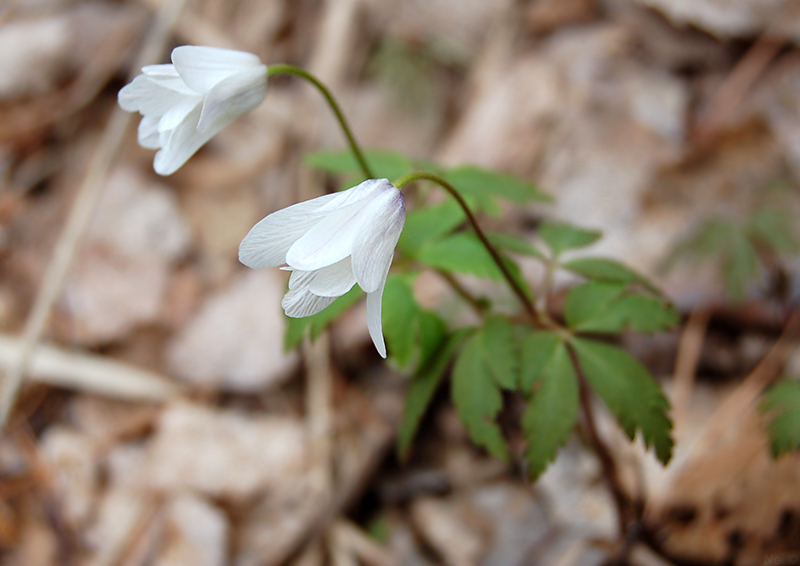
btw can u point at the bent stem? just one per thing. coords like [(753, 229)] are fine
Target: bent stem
[(273, 70), (518, 291)]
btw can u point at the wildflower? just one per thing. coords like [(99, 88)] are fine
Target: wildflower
[(329, 244), (185, 104)]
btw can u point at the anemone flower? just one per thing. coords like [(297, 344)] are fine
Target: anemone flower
[(185, 104), (329, 244)]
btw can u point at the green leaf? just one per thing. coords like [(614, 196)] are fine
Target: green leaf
[(586, 306), (474, 181), (422, 389), (401, 315), (727, 243), (740, 265), (549, 418), (775, 228), (296, 328), (514, 244), (477, 398), (432, 333), (629, 391), (460, 253), (384, 164), (427, 224), (501, 354), (538, 349), (781, 404), (644, 313), (603, 269), (560, 236), (602, 307)]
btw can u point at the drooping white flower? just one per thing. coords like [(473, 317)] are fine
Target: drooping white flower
[(329, 244), (185, 104)]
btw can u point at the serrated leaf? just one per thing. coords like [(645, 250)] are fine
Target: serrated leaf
[(427, 224), (401, 315), (477, 398), (587, 304), (775, 228), (781, 404), (514, 244), (460, 253), (422, 389), (560, 236), (602, 269), (501, 353), (537, 351), (602, 307), (384, 164), (549, 418), (475, 181), (629, 391), (296, 328), (644, 313)]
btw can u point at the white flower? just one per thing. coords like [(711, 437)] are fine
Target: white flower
[(185, 104), (329, 244)]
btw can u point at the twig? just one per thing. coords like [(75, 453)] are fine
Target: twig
[(689, 350), (319, 393), (80, 216), (738, 83), (607, 462), (377, 438), (350, 537), (88, 372)]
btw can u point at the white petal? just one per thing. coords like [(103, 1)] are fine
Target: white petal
[(160, 70), (147, 96), (232, 97), (374, 323), (204, 67), (334, 280), (362, 192), (300, 279), (268, 241), (375, 243), (329, 240), (173, 117), (181, 144), (302, 302), (148, 132)]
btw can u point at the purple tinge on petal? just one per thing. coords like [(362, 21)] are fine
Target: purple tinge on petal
[(377, 239)]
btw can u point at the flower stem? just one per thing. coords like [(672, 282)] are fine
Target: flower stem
[(518, 291), (283, 69)]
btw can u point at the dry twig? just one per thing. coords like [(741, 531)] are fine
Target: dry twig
[(80, 216)]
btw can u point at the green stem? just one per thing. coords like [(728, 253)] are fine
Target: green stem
[(523, 298), (273, 70)]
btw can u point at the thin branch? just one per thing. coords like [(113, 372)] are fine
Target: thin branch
[(518, 291), (351, 140)]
